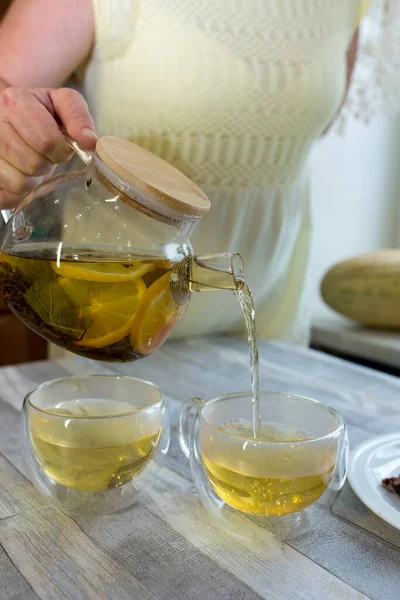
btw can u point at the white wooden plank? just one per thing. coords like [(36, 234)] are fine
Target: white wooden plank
[(163, 560), (350, 508), (364, 561), (60, 562), (272, 569), (10, 435), (16, 494), (17, 381), (12, 585)]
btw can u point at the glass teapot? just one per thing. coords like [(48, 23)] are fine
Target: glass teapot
[(100, 262)]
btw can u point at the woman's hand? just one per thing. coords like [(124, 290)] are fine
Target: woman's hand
[(31, 140)]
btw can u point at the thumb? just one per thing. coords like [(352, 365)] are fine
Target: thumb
[(72, 111)]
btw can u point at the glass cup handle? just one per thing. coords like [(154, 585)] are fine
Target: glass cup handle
[(344, 460), (187, 417), (340, 472)]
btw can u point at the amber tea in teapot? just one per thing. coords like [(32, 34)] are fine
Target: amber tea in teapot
[(109, 310)]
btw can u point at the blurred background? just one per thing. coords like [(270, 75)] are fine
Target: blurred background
[(355, 190)]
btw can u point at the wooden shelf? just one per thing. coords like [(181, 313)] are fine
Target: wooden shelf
[(18, 343), (3, 306)]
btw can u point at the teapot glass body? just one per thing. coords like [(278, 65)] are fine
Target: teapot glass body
[(102, 268)]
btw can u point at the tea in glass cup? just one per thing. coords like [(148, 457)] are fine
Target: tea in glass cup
[(92, 443), (299, 458)]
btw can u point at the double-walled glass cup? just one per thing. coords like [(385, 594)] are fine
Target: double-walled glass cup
[(285, 479), (94, 443)]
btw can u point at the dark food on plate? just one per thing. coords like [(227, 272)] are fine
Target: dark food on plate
[(392, 484)]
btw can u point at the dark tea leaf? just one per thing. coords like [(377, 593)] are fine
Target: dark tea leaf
[(53, 306), (12, 284)]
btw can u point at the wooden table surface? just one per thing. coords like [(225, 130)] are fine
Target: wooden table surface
[(168, 547), (355, 340)]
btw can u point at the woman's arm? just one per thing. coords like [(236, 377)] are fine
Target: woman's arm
[(351, 55), (351, 60), (42, 42)]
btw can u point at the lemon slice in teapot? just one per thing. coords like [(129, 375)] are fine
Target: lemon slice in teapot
[(102, 272), (105, 311)]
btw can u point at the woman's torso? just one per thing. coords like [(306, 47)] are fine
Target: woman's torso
[(234, 94)]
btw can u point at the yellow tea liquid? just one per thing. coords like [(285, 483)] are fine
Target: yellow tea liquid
[(103, 309), (266, 481), (92, 454)]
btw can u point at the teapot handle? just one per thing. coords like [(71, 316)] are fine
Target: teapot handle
[(86, 156)]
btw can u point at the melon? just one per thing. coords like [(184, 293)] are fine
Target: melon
[(366, 288)]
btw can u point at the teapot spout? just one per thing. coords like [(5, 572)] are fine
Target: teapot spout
[(216, 272)]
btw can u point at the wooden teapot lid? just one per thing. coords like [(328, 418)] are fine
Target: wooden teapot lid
[(153, 176)]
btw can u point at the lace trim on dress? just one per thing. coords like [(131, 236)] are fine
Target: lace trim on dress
[(375, 85)]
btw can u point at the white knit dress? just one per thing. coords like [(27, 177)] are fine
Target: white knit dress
[(234, 93)]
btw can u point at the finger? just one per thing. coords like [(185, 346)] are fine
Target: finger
[(30, 113), (16, 151), (72, 110), (8, 200), (13, 181)]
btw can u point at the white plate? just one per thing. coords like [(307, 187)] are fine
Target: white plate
[(371, 462)]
